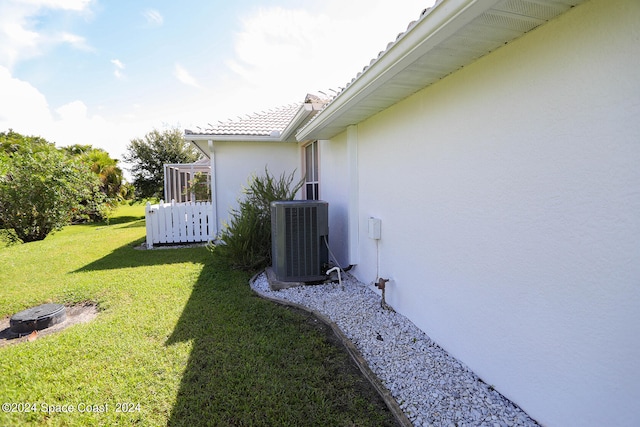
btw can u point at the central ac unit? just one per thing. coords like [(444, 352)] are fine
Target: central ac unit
[(299, 236)]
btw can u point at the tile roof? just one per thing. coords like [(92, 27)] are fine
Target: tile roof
[(266, 124), (269, 123)]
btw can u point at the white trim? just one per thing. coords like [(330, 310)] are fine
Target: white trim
[(353, 202), (303, 113), (232, 138), (214, 190), (315, 164)]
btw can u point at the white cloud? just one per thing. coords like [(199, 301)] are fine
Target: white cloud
[(273, 41), (184, 76), (118, 64), (289, 52), (21, 39), (75, 110), (153, 17), (25, 110), (74, 40), (22, 106), (119, 67), (16, 39), (279, 55), (76, 5)]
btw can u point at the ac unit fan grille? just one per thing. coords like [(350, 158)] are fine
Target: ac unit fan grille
[(302, 239), (299, 230)]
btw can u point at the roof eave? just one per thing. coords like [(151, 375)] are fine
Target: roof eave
[(231, 138), (198, 139), (444, 20), (301, 116), (202, 150)]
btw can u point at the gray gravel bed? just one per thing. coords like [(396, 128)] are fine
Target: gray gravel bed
[(431, 387)]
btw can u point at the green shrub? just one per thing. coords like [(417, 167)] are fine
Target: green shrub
[(43, 188), (246, 240), (8, 237), (43, 191)]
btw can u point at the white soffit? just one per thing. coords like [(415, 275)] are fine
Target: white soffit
[(451, 35)]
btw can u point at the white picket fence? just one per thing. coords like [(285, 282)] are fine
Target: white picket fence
[(179, 222)]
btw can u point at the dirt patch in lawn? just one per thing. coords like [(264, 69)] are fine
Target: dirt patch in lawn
[(78, 313)]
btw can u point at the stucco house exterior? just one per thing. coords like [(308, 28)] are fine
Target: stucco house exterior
[(498, 143), (246, 146)]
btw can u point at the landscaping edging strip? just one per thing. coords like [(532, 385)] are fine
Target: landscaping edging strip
[(391, 403)]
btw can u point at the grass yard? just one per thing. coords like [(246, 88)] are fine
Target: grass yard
[(180, 339)]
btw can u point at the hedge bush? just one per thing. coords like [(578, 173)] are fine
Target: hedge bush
[(246, 239)]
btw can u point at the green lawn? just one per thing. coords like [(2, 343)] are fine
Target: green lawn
[(180, 340)]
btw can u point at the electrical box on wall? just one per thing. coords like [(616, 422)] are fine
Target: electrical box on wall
[(375, 226)]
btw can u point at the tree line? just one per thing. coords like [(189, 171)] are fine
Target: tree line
[(43, 187)]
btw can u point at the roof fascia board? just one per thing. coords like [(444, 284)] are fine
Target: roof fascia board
[(181, 165), (231, 138), (303, 113), (444, 20)]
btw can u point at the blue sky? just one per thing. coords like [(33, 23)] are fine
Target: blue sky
[(103, 72)]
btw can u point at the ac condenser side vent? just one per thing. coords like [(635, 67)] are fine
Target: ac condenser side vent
[(299, 229)]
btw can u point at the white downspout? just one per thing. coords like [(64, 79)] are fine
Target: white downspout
[(214, 192), (166, 189), (353, 207), (192, 192)]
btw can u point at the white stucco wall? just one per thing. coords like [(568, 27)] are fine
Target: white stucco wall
[(235, 162), (332, 169), (509, 195)]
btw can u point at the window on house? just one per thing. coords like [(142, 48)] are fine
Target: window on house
[(311, 171)]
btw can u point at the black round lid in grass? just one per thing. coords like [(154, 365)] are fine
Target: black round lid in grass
[(37, 318)]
